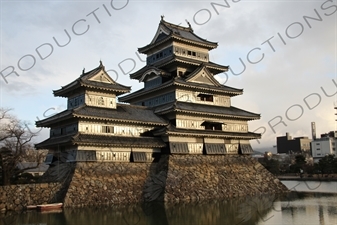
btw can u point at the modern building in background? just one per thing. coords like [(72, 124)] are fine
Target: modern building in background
[(287, 144), (326, 145), (314, 149), (317, 147), (313, 130)]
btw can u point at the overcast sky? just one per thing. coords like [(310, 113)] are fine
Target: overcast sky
[(288, 68)]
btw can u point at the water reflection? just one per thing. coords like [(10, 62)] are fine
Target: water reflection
[(311, 186), (247, 210), (305, 208), (32, 217), (296, 208), (238, 211)]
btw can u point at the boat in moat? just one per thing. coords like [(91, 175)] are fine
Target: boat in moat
[(28, 207), (48, 207)]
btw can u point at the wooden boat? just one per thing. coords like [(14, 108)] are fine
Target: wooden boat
[(47, 207), (28, 207)]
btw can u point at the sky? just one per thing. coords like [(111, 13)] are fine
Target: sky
[(282, 53)]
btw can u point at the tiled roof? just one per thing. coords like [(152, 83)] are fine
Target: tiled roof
[(55, 141), (115, 87), (62, 116), (122, 141), (83, 81), (123, 113), (144, 91), (209, 88), (223, 89), (202, 109), (213, 67), (172, 130), (181, 33), (102, 140)]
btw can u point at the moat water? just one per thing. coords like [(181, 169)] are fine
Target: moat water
[(311, 202)]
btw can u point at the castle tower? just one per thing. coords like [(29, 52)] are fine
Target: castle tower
[(96, 128), (181, 126), (179, 85)]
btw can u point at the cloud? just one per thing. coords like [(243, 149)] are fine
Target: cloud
[(283, 78)]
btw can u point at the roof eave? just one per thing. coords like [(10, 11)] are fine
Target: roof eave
[(209, 45), (46, 123), (250, 136), (120, 120), (148, 47), (222, 115), (117, 145), (231, 93), (119, 91), (66, 89), (44, 144), (134, 94)]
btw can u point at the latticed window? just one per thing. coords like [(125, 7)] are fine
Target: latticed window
[(101, 101), (107, 129)]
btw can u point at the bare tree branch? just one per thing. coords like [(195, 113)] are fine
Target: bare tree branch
[(15, 142)]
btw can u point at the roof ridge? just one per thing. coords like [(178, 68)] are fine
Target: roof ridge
[(165, 23), (89, 72)]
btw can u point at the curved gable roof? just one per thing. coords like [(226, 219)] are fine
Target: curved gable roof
[(167, 31), (89, 80)]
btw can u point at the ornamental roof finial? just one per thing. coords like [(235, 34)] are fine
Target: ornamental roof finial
[(101, 64), (83, 71), (189, 25), (162, 17)]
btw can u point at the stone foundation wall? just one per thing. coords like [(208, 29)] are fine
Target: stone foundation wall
[(104, 183), (175, 178), (185, 178), (17, 197), (191, 178)]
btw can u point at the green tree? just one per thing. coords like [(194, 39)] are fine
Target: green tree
[(327, 164), (300, 164), (271, 165)]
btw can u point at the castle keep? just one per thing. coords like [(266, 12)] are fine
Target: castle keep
[(177, 139), (182, 108)]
